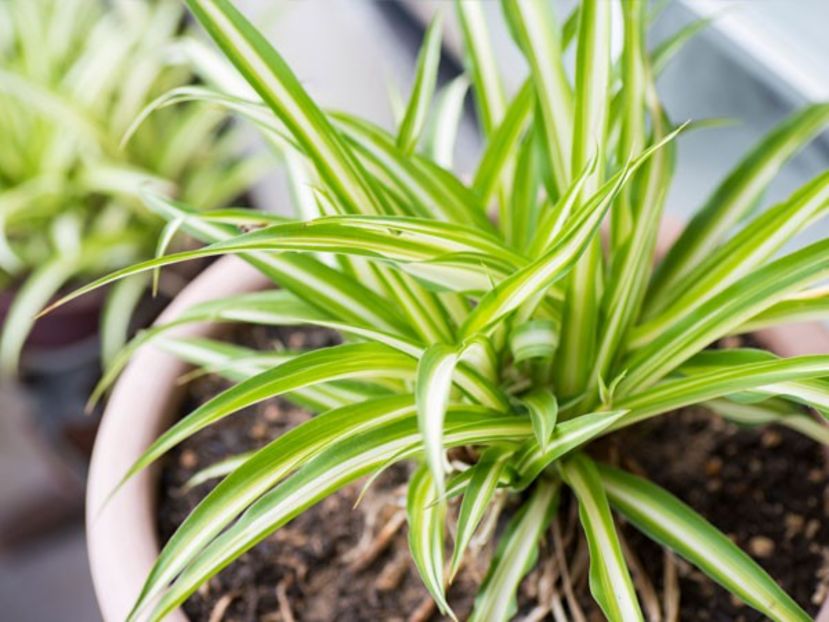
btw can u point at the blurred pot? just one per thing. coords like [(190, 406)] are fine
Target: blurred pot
[(69, 326)]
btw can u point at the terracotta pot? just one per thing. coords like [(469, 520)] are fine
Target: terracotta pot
[(122, 538)]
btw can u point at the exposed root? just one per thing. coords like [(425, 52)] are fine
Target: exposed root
[(559, 545), (219, 609), (393, 572), (424, 611), (670, 590), (546, 591), (580, 566), (284, 604), (558, 611), (365, 555)]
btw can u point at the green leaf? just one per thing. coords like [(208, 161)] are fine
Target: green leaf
[(281, 308), (670, 522), (735, 197), (442, 134), (483, 67), (807, 306), (164, 240), (552, 220), (543, 409), (479, 354), (273, 307), (631, 262), (535, 32), (217, 470), (524, 204), (672, 394), (426, 75), (771, 412), (592, 86), (516, 555), (323, 287), (67, 113), (317, 366), (755, 244), (632, 129), (434, 191), (814, 393), (46, 281), (432, 391), (366, 360), (667, 49), (432, 236), (570, 28), (539, 275), (424, 260), (273, 80), (254, 111), (523, 285), (724, 312), (17, 200), (610, 581), (276, 307), (426, 523), (481, 482), (236, 364), (568, 435), (231, 361), (33, 296), (534, 339), (581, 306), (503, 142), (117, 315)]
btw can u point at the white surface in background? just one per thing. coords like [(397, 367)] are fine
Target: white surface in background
[(786, 38)]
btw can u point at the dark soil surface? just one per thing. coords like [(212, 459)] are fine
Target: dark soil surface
[(766, 488)]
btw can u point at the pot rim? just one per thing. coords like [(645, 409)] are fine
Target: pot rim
[(122, 541)]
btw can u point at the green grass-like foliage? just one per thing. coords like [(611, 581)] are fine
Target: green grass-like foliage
[(490, 313), (74, 75)]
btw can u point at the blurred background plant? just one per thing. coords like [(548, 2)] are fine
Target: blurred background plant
[(74, 74)]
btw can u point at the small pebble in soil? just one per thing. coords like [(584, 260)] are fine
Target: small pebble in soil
[(771, 438), (761, 546), (188, 459)]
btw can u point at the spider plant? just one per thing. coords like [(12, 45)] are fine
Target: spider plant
[(491, 314), (73, 76)]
